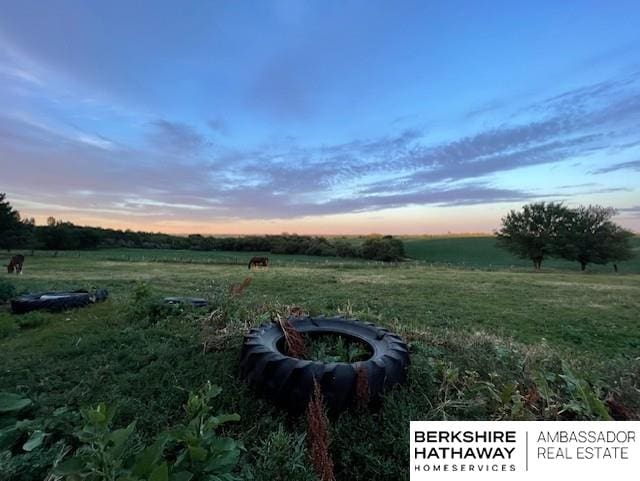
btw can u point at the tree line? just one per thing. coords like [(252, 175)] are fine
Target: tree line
[(58, 235), (586, 235)]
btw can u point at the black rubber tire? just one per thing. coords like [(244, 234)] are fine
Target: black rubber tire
[(194, 301), (50, 301), (288, 381), (100, 295)]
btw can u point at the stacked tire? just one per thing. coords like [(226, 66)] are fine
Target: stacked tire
[(288, 382)]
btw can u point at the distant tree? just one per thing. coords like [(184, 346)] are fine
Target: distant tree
[(84, 238), (28, 237), (385, 249), (13, 232), (197, 242), (345, 249), (592, 238), (56, 235), (533, 233)]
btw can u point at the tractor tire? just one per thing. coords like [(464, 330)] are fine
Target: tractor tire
[(194, 301), (100, 295), (50, 301), (289, 382), (56, 301)]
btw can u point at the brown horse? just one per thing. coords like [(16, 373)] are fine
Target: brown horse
[(15, 264), (258, 261)]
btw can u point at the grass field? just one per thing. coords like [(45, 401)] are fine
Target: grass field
[(484, 339), (483, 253)]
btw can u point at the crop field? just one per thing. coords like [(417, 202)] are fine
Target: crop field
[(487, 341), (483, 253)]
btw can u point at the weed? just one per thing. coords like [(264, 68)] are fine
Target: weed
[(33, 319), (7, 325), (362, 387), (215, 335), (191, 451), (335, 348), (318, 435), (226, 322), (583, 402), (7, 291), (294, 342), (29, 446), (144, 308), (238, 289), (283, 456)]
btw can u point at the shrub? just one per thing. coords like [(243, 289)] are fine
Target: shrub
[(7, 291), (189, 451), (345, 249), (145, 308), (385, 249)]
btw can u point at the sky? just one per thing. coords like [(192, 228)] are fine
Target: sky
[(317, 117)]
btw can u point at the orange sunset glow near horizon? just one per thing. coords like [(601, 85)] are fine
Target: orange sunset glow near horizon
[(413, 221)]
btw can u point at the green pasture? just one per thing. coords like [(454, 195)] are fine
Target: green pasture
[(481, 338), (483, 253)]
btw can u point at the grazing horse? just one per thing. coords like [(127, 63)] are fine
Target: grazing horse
[(258, 261), (15, 264)]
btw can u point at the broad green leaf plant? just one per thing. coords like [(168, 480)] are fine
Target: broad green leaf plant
[(189, 452)]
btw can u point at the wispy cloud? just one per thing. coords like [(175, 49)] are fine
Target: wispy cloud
[(406, 169), (632, 165), (218, 125), (96, 141), (20, 74), (179, 171), (175, 137), (630, 211)]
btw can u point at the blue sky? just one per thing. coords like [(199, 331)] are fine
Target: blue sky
[(317, 117)]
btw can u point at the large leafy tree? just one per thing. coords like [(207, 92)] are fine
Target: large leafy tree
[(592, 237), (13, 231), (533, 232)]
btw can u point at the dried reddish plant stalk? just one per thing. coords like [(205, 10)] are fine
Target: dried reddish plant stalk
[(214, 334), (618, 411), (532, 397), (318, 435), (294, 342), (295, 311), (238, 289), (362, 387)]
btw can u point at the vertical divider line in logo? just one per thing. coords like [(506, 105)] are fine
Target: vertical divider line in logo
[(526, 447)]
